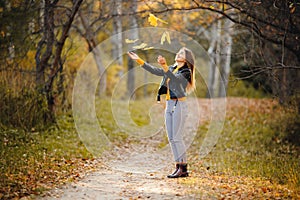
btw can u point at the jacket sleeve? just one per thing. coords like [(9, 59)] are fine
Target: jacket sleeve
[(154, 70)]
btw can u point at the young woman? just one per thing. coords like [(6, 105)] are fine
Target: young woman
[(178, 80)]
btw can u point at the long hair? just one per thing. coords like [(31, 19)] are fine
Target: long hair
[(190, 61)]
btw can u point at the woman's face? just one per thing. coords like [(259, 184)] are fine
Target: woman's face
[(180, 56)]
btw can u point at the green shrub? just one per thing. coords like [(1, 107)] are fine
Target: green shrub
[(240, 88)]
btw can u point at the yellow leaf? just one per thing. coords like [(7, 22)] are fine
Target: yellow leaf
[(163, 21), (153, 20), (168, 37), (211, 7), (148, 48), (128, 41), (141, 46), (165, 36)]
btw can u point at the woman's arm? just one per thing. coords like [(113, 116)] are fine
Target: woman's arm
[(154, 70)]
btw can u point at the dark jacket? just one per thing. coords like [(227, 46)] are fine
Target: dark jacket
[(178, 81)]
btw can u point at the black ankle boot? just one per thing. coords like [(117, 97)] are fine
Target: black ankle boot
[(181, 171), (177, 167)]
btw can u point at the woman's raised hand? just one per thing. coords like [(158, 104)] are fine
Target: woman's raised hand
[(161, 60), (133, 55)]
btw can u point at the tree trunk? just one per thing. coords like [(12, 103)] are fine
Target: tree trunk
[(42, 58), (134, 35), (214, 52), (50, 59), (117, 29), (57, 65), (92, 43), (226, 57)]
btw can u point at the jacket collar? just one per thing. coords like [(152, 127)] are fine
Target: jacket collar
[(174, 66)]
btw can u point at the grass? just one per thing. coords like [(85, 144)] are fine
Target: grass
[(255, 142), (32, 162), (258, 141)]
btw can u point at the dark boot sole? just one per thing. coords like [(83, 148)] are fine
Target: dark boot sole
[(180, 176)]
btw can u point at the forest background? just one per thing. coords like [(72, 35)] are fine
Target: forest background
[(254, 46)]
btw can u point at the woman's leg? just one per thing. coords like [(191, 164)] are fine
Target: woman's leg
[(175, 128), (178, 121), (175, 120)]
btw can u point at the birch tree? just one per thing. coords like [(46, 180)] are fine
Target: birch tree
[(117, 30), (132, 25), (225, 57), (213, 37), (220, 46)]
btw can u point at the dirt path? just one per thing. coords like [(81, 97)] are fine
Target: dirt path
[(131, 172), (138, 169), (125, 180)]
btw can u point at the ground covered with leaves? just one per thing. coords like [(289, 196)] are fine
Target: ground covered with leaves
[(256, 157), (257, 154), (32, 162)]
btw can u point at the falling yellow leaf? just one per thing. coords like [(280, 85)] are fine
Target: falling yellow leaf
[(163, 21), (141, 46), (153, 20), (165, 36), (128, 41), (148, 48), (168, 37)]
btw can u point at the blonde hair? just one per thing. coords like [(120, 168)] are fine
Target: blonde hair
[(190, 61)]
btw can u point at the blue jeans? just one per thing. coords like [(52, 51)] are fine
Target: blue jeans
[(175, 120)]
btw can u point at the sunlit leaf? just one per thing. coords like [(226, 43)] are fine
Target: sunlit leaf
[(128, 41), (165, 36), (148, 48), (153, 20), (163, 21), (168, 37), (141, 46)]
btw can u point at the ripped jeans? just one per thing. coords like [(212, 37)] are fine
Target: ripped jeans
[(174, 121)]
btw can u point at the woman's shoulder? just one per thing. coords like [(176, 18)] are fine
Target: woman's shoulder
[(184, 69)]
